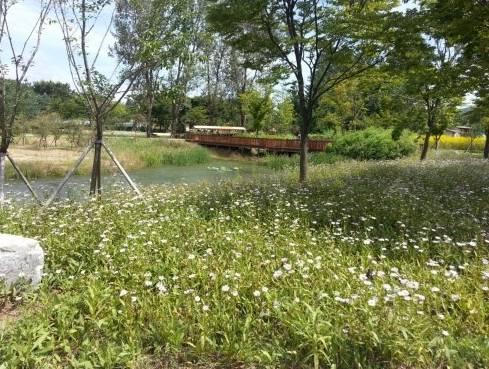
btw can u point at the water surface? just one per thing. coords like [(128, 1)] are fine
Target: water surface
[(213, 171)]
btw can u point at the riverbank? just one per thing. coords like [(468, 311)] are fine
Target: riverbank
[(133, 152), (372, 265)]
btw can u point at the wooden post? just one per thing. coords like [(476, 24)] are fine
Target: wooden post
[(122, 170), (24, 179), (69, 175)]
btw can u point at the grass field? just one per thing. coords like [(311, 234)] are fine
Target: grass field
[(372, 265), (132, 152)]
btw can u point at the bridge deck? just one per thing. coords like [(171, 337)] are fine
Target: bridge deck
[(269, 144)]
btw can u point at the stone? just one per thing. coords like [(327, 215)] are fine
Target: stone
[(20, 258)]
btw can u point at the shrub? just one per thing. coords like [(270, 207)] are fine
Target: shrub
[(373, 144)]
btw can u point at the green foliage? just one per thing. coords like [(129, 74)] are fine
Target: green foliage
[(464, 23), (259, 107), (373, 144), (370, 265), (283, 116), (196, 115), (120, 114)]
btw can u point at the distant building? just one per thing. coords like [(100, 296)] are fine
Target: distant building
[(459, 131)]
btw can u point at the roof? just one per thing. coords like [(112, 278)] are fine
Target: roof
[(223, 128)]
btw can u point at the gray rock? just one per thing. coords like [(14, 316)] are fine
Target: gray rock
[(20, 258)]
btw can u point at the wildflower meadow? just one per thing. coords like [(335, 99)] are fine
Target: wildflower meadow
[(369, 265)]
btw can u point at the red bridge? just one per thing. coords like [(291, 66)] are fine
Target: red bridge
[(269, 144)]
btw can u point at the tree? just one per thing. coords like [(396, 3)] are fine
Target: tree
[(180, 76), (196, 115), (465, 23), (101, 95), (20, 63), (320, 44), (240, 78), (149, 32), (433, 69), (259, 107), (45, 125), (215, 58), (283, 116), (478, 118), (52, 89)]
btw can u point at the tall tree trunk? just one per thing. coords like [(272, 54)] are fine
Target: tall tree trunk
[(437, 142), (3, 156), (486, 146), (242, 114), (303, 155), (149, 104), (429, 132), (96, 178), (426, 144), (4, 140), (306, 116), (174, 119), (149, 118)]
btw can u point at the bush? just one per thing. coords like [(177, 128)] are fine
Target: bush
[(373, 144)]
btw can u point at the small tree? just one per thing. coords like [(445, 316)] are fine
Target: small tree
[(149, 33), (433, 71), (42, 128), (20, 61), (101, 94), (74, 131)]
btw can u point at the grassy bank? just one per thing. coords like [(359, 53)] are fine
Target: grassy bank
[(133, 152), (378, 265)]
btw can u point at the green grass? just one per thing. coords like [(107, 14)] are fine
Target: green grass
[(371, 265), (158, 152), (281, 161)]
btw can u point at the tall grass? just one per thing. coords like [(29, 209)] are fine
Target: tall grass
[(157, 152), (279, 161)]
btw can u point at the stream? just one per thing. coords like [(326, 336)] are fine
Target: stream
[(78, 186)]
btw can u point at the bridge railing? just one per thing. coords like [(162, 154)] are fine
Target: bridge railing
[(270, 144)]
